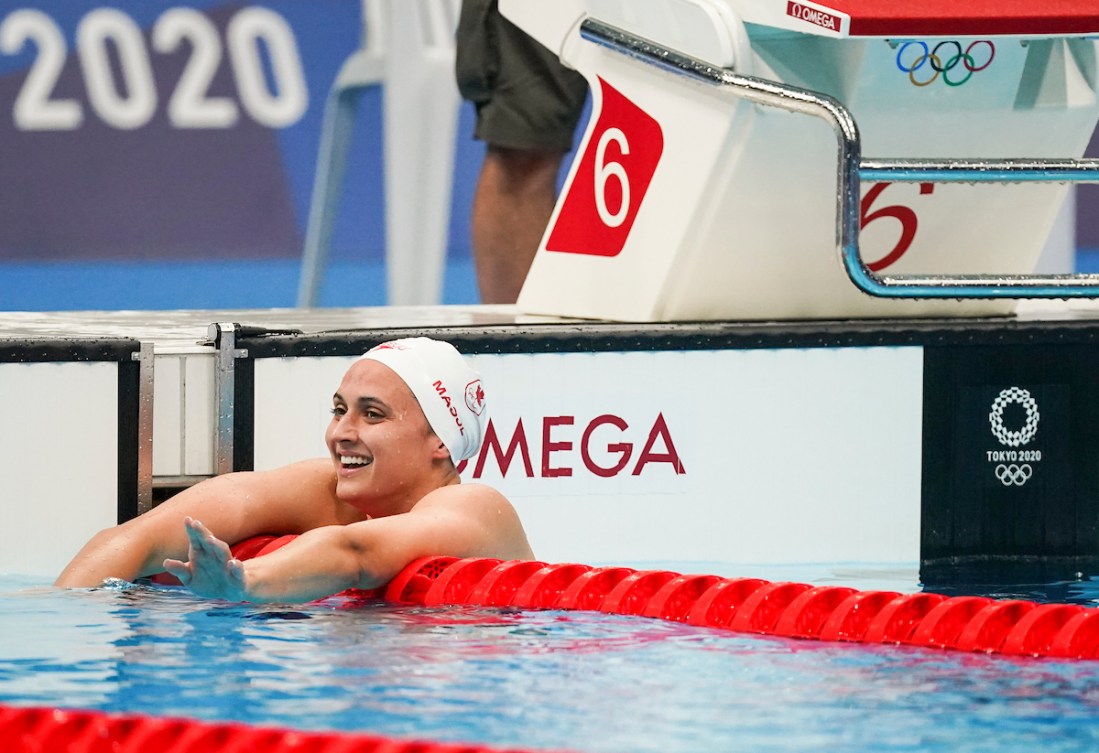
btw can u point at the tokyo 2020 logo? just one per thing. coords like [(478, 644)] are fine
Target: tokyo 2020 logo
[(996, 417), (1013, 467)]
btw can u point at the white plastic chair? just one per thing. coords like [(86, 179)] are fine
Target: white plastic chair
[(408, 50)]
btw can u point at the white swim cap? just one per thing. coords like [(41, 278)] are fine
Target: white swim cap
[(448, 390)]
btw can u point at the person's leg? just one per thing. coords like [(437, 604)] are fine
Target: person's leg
[(512, 204), (528, 106)]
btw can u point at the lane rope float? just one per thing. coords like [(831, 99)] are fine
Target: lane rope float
[(751, 605), (743, 605)]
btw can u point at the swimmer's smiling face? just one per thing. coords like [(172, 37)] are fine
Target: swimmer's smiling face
[(381, 445)]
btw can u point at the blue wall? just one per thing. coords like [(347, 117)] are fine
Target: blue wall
[(149, 214)]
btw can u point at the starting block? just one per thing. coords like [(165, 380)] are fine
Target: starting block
[(722, 173)]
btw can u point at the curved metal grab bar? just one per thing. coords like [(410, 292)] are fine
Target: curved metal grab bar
[(853, 169)]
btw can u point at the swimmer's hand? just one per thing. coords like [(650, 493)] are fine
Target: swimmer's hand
[(211, 569)]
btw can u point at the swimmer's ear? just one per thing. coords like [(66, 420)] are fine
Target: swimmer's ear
[(440, 451)]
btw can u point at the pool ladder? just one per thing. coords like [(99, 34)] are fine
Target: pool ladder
[(853, 169)]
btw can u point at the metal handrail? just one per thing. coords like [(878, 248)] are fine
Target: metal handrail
[(853, 169)]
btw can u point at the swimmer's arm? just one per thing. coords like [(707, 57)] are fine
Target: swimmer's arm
[(461, 521), (235, 506)]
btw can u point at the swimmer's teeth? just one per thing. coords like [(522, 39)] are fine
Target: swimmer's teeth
[(347, 460)]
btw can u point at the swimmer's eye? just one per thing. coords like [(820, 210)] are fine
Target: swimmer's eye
[(372, 414)]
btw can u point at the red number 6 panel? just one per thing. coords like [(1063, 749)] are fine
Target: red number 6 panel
[(610, 183)]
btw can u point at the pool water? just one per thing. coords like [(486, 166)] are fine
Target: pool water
[(530, 679)]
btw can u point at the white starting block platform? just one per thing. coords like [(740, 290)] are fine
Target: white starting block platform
[(943, 444), (771, 159)]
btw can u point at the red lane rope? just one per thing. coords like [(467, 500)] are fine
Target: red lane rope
[(750, 605), (743, 605), (38, 730)]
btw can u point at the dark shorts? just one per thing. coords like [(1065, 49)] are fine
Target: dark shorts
[(525, 97)]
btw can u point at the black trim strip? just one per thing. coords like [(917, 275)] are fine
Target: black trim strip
[(129, 407), (244, 414), (53, 350), (594, 337)]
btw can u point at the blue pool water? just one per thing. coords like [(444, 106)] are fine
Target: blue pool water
[(530, 679)]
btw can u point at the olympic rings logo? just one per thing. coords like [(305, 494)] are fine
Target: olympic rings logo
[(1014, 475), (996, 417), (940, 62)]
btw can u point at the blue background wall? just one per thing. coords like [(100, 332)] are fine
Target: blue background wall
[(159, 216)]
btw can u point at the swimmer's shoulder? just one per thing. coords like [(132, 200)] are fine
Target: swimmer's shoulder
[(314, 477), (491, 514), (466, 494), (306, 489)]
